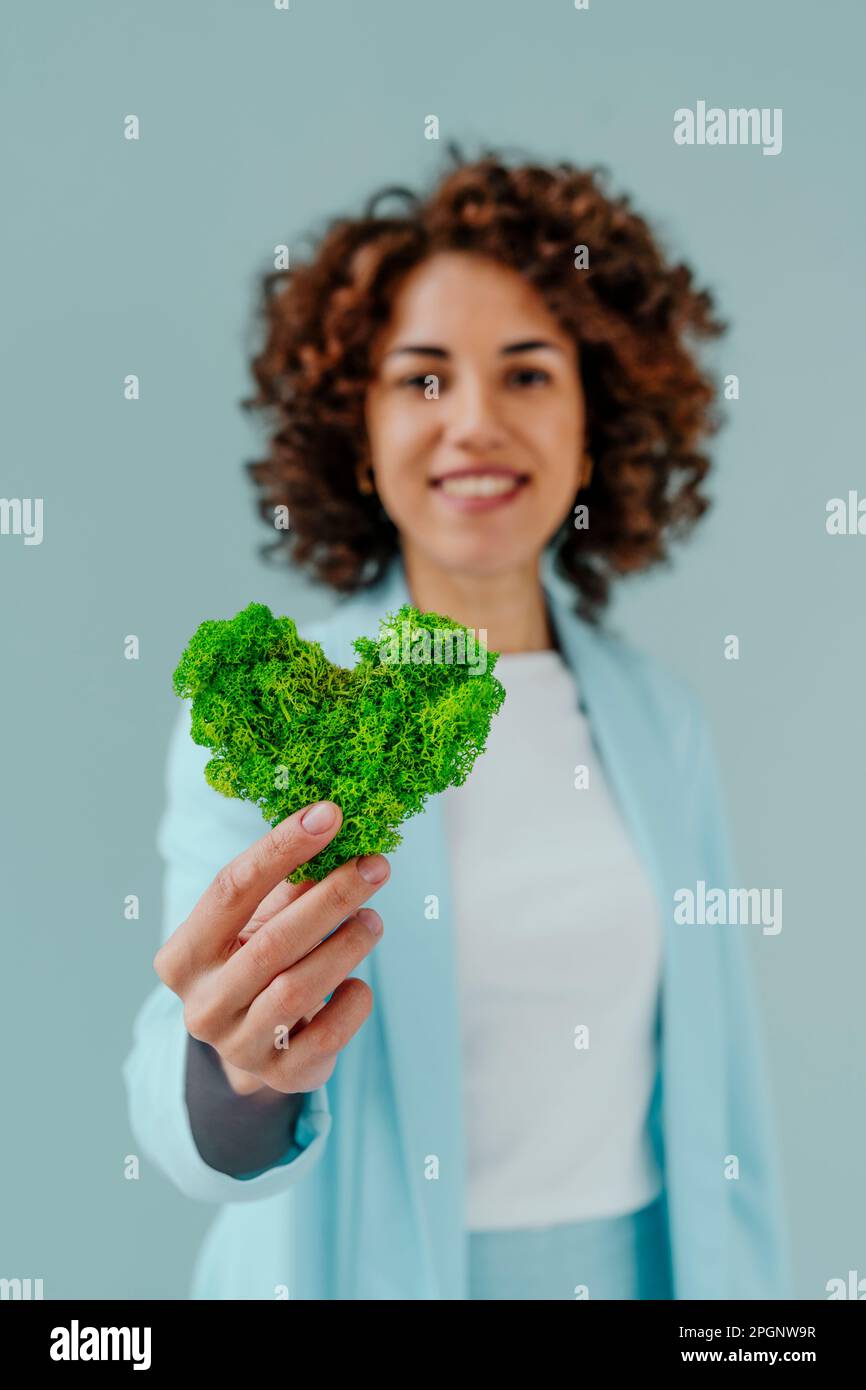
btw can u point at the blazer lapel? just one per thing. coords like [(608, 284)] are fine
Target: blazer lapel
[(650, 795)]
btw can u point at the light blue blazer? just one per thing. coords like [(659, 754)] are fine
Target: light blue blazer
[(353, 1211)]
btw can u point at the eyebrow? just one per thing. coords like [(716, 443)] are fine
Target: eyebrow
[(428, 350)]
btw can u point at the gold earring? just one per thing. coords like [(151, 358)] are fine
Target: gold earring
[(586, 468), (364, 478)]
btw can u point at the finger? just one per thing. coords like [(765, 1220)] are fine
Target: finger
[(233, 895), (298, 993), (309, 1016), (294, 931), (306, 1062), (278, 898)]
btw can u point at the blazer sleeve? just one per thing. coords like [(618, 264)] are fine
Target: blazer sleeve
[(199, 831), (759, 1263)]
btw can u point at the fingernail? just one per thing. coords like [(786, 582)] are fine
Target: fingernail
[(372, 920), (319, 817), (373, 867)]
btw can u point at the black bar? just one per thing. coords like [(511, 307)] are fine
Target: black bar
[(253, 1336)]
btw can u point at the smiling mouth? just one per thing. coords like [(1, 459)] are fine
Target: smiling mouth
[(482, 483)]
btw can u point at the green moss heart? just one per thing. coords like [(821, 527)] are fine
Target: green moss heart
[(287, 727)]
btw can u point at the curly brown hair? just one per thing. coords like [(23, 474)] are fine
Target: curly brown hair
[(649, 404)]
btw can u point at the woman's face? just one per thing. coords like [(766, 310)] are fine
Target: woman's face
[(475, 416)]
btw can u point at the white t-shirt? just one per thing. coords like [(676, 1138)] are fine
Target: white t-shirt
[(558, 940)]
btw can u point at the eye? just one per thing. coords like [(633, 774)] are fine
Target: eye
[(420, 380), (538, 373)]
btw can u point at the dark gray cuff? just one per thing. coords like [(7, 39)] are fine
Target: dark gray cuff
[(238, 1135)]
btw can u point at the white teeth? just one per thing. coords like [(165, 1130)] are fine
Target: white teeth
[(478, 485)]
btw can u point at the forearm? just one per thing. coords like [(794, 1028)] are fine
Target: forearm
[(235, 1134)]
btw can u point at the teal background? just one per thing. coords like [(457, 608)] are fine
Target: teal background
[(141, 257)]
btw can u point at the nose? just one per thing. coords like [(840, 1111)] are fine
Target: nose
[(473, 419)]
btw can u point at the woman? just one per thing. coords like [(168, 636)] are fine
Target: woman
[(535, 1083)]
